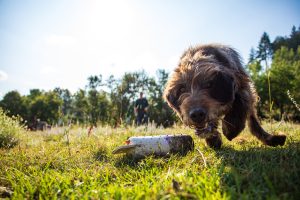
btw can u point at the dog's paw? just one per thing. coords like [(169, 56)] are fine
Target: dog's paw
[(202, 133), (205, 132), (214, 141), (275, 140)]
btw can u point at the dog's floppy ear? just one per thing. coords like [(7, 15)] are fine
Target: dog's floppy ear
[(222, 88), (172, 100)]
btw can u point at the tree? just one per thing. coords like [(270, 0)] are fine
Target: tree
[(252, 56), (33, 93), (67, 99), (259, 78), (14, 104), (294, 39), (97, 101), (282, 77), (94, 81), (159, 110), (46, 107), (291, 42), (98, 106), (265, 51), (81, 107)]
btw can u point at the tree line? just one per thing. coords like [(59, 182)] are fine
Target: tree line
[(102, 102), (274, 67)]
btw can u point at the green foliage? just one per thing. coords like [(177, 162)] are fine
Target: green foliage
[(273, 82), (159, 110), (66, 96), (101, 102), (80, 167), (10, 128), (14, 104), (283, 74), (273, 67), (125, 91), (46, 107), (94, 81), (80, 106), (291, 42), (264, 50), (98, 106)]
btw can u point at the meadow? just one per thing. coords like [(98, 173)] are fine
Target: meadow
[(68, 163)]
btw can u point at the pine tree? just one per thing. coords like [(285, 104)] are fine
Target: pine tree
[(265, 51)]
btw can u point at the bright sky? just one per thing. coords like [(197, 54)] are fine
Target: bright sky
[(59, 43)]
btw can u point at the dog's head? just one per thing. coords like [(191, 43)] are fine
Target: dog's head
[(201, 88)]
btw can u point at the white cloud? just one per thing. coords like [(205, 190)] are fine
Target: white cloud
[(60, 40), (3, 76)]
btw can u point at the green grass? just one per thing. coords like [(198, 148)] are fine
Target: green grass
[(10, 128), (50, 165)]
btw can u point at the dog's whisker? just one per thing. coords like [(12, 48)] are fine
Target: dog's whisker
[(227, 122)]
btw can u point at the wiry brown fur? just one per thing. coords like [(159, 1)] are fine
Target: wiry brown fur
[(209, 85)]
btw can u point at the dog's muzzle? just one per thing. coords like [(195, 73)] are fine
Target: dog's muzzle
[(206, 131), (197, 115)]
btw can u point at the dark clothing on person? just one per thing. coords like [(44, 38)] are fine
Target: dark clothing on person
[(140, 105)]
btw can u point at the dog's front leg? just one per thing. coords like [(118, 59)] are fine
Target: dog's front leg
[(211, 135), (214, 141), (235, 120)]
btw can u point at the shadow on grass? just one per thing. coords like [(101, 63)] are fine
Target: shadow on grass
[(101, 155), (145, 162), (261, 172), (128, 160)]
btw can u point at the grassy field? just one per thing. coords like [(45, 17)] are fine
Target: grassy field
[(67, 163)]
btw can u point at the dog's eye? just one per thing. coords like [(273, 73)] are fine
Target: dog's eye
[(207, 85), (182, 90)]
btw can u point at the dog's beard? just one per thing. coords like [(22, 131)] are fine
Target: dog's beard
[(203, 130), (206, 130), (208, 127)]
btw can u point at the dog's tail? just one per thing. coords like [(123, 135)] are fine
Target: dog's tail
[(262, 135)]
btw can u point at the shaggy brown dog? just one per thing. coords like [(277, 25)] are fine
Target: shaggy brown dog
[(209, 85)]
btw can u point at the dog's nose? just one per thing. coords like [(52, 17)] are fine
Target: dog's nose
[(197, 114)]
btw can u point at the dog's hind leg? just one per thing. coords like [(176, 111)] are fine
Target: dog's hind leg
[(262, 135), (235, 120)]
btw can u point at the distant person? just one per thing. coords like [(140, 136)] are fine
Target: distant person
[(141, 109)]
